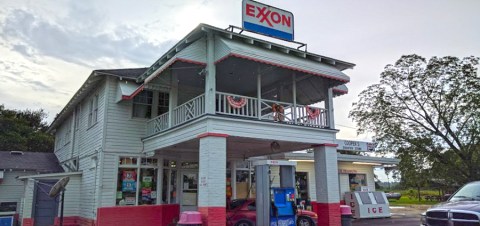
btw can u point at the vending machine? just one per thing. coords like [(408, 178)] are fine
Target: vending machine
[(283, 207)]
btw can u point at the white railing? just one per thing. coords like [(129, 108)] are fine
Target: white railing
[(189, 110), (249, 109), (157, 124), (182, 113), (271, 110), (315, 117), (241, 106)]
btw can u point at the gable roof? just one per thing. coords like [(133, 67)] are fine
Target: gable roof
[(31, 161), (89, 85), (127, 73)]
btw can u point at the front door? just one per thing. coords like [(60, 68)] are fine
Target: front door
[(189, 190), (46, 207)]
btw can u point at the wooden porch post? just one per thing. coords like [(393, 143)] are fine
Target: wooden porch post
[(259, 95), (329, 106), (210, 82), (294, 88), (172, 98)]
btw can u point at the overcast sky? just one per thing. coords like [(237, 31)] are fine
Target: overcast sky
[(48, 48)]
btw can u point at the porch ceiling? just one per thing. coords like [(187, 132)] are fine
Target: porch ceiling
[(239, 76), (237, 147)]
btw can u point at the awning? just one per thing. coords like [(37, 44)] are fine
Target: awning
[(340, 90), (127, 90), (225, 48)]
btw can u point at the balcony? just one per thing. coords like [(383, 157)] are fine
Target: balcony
[(241, 107)]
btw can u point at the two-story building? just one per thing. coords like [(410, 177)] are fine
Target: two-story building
[(150, 142)]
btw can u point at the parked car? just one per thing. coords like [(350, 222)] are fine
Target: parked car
[(462, 208), (242, 212), (393, 195)]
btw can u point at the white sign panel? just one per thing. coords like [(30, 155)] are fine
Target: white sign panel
[(350, 145), (267, 20)]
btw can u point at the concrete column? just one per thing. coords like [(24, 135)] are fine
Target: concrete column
[(326, 180), (212, 179)]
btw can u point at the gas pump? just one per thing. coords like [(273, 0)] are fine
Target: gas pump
[(275, 205)]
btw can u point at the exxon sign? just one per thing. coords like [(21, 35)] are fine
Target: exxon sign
[(267, 20)]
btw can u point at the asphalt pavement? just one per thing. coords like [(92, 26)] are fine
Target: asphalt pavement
[(402, 216)]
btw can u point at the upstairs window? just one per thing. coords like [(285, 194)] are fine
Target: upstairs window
[(76, 123), (142, 104), (93, 110), (163, 103)]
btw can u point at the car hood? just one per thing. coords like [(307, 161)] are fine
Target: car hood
[(459, 205), (306, 213)]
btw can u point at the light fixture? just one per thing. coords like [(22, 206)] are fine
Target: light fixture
[(301, 160), (367, 163), (275, 146)]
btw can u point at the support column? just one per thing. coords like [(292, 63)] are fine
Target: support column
[(326, 180), (329, 106), (212, 179), (210, 83), (172, 97), (259, 95)]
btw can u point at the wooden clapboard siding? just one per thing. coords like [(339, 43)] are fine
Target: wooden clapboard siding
[(72, 205), (361, 169), (343, 178), (11, 189), (109, 180), (123, 133)]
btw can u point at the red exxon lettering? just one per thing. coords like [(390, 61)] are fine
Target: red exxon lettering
[(267, 16)]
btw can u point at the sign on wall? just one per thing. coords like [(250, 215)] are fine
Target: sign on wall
[(267, 20), (350, 145)]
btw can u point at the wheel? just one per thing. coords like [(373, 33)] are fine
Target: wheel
[(243, 223), (304, 221)]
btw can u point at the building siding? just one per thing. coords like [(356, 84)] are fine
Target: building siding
[(72, 196)]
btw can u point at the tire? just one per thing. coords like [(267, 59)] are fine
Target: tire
[(243, 223), (304, 221)]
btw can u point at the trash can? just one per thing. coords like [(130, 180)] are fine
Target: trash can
[(346, 212), (190, 218)]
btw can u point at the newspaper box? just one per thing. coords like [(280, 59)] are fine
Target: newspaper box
[(368, 204)]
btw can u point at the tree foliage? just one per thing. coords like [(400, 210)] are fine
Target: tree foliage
[(428, 113), (24, 131)]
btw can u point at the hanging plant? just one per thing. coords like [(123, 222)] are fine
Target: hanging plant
[(312, 114), (236, 102)]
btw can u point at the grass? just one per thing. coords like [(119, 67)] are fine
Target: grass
[(405, 200), (409, 197)]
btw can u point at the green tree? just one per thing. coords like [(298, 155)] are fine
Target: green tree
[(429, 110), (24, 131)]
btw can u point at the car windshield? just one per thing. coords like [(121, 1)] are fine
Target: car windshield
[(468, 192)]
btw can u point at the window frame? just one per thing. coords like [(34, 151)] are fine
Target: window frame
[(93, 110)]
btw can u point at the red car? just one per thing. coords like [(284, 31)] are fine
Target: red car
[(242, 212)]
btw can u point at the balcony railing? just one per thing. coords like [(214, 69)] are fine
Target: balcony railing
[(242, 107)]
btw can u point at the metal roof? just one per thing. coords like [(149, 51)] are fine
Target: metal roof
[(89, 85), (30, 161), (345, 158), (202, 29)]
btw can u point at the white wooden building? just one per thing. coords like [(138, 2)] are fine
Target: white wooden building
[(150, 142)]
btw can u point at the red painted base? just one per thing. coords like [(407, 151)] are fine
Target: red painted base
[(75, 221), (153, 215), (328, 213), (213, 216), (27, 222)]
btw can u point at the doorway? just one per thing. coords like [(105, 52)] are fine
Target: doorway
[(189, 190), (45, 207)]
